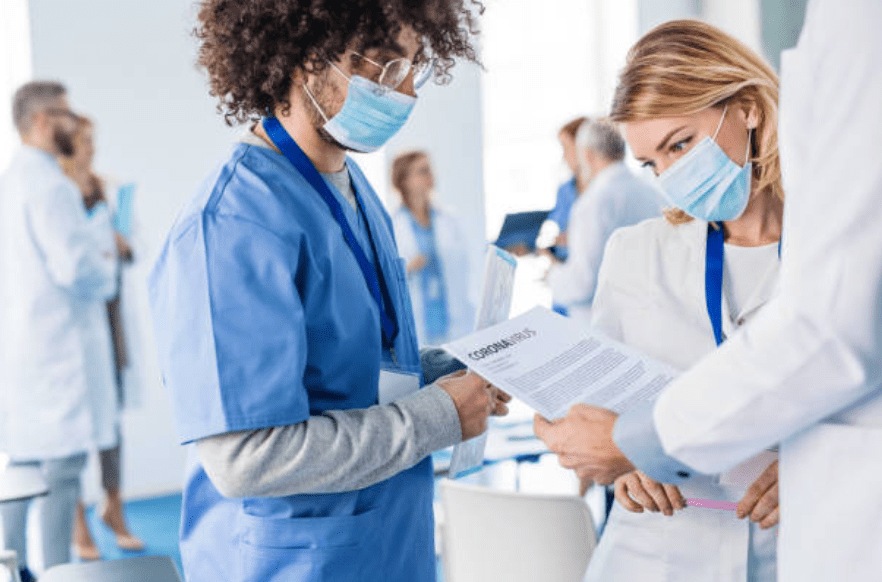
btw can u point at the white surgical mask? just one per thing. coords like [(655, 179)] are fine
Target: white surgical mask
[(706, 183)]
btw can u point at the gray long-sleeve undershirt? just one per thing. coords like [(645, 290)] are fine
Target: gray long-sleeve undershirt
[(339, 450)]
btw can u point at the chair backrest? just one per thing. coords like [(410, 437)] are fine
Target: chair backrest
[(139, 569), (516, 537)]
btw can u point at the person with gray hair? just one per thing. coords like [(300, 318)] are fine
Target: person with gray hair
[(50, 267), (614, 198)]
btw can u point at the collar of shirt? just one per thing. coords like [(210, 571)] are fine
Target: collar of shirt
[(39, 154)]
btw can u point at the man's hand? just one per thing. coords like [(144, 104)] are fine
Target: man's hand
[(475, 399), (761, 500), (582, 440), (636, 492)]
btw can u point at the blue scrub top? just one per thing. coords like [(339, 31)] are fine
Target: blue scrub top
[(263, 318)]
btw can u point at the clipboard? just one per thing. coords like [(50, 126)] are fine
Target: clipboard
[(521, 228)]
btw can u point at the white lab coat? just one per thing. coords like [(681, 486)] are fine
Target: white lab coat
[(49, 264), (650, 296), (816, 349), (615, 198), (99, 355), (453, 252)]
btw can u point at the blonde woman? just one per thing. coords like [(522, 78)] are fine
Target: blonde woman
[(699, 109)]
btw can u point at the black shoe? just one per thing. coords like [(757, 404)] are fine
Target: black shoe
[(26, 575)]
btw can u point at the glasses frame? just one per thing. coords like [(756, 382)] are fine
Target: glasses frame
[(422, 72)]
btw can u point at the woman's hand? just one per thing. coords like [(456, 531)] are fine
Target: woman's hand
[(418, 263), (635, 491), (761, 500), (123, 249)]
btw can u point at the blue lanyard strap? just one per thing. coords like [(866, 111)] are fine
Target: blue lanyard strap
[(713, 277), (372, 277)]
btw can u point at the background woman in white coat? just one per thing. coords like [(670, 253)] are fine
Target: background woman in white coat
[(104, 350), (699, 109), (435, 252)]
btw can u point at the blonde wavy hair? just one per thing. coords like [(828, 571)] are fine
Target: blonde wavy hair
[(685, 66)]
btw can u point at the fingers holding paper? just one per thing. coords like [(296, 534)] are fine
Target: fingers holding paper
[(582, 440), (475, 399), (501, 402)]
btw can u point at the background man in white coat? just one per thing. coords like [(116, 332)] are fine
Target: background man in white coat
[(614, 198), (49, 264), (807, 371)]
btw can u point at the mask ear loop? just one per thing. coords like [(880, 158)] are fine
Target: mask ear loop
[(749, 134), (720, 125), (312, 98), (314, 102)]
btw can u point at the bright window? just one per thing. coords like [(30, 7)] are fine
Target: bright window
[(546, 64), (15, 68)]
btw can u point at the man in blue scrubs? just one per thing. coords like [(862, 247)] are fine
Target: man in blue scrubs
[(280, 305)]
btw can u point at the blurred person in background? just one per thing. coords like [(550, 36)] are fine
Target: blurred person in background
[(435, 251), (105, 350), (553, 233), (51, 268), (613, 198), (558, 219)]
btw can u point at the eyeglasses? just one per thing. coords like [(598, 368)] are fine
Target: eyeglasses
[(395, 71)]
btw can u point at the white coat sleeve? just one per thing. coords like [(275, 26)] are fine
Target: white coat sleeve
[(574, 281), (815, 349), (73, 256)]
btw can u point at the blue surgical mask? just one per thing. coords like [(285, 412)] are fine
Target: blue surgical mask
[(707, 184), (370, 116)]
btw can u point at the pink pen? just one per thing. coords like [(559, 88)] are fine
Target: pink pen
[(712, 504)]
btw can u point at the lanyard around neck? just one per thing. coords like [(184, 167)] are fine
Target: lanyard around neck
[(372, 276), (713, 278)]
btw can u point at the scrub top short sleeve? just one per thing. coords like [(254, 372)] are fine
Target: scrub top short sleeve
[(235, 356)]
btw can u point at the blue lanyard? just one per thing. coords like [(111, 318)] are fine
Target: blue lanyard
[(713, 277), (304, 165)]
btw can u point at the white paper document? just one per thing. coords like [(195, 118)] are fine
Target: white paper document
[(499, 273), (550, 363)]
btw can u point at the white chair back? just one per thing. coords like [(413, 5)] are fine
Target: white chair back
[(516, 537), (9, 561)]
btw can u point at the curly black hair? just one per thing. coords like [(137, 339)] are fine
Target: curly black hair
[(250, 48)]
